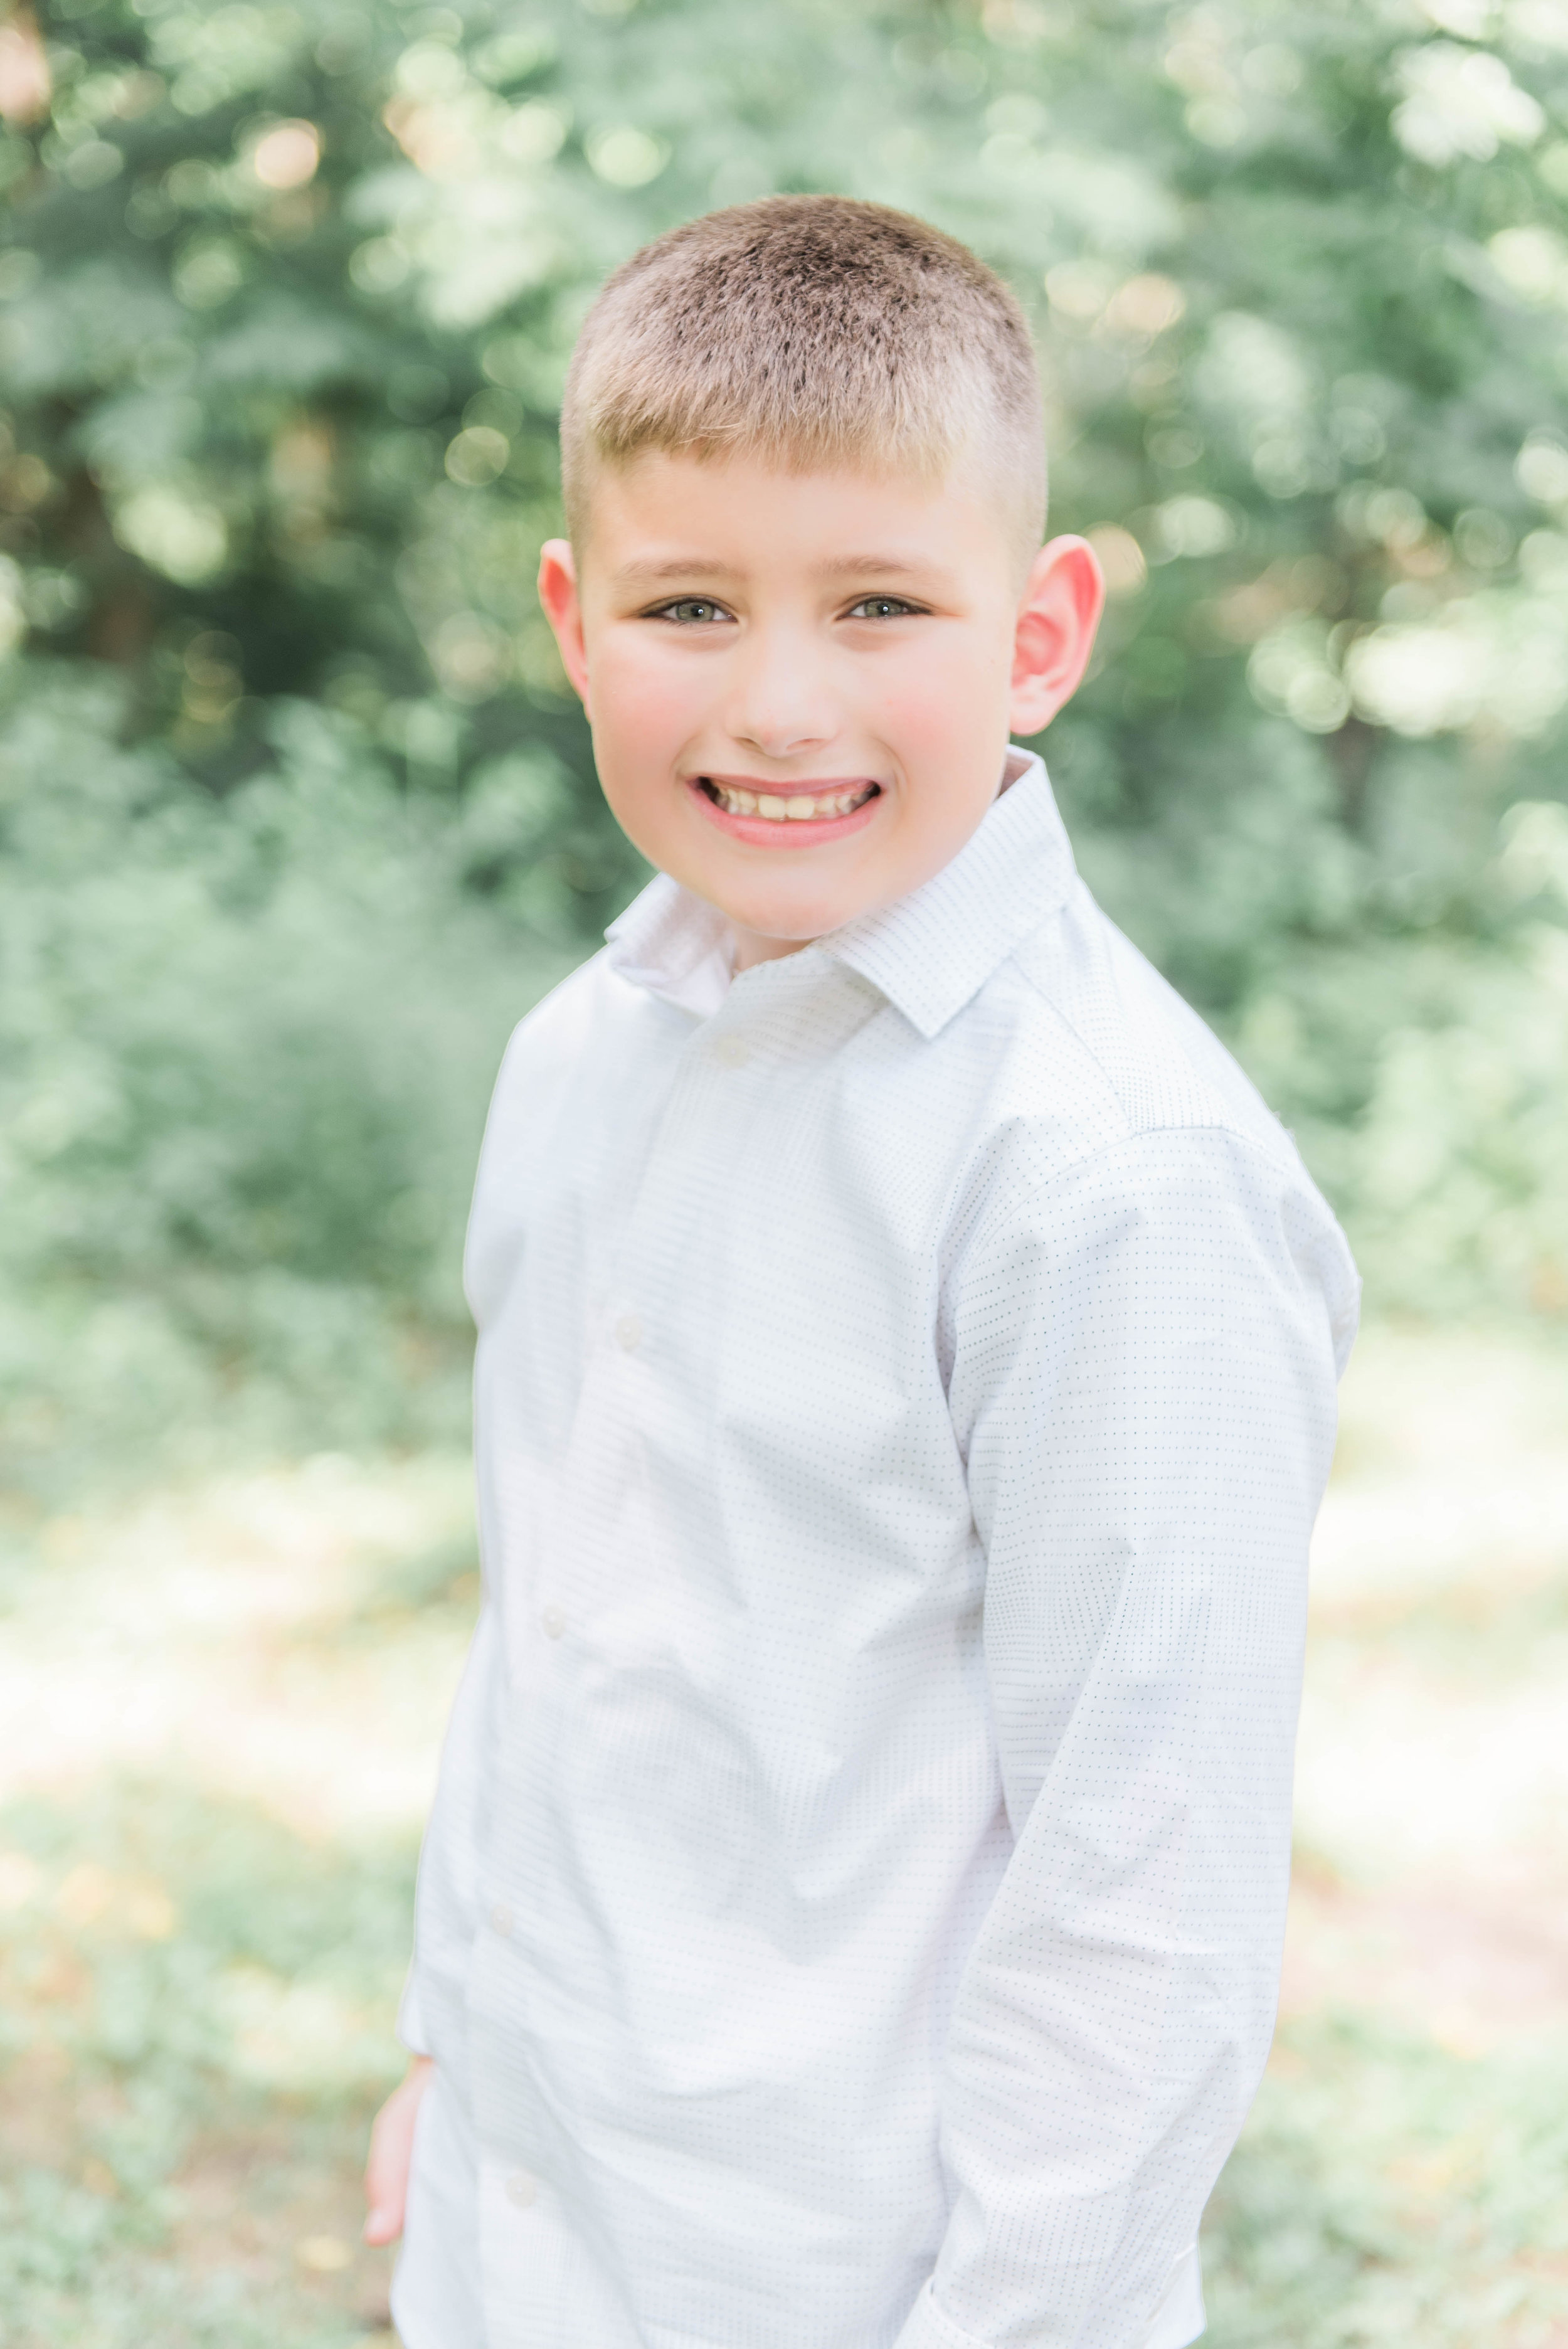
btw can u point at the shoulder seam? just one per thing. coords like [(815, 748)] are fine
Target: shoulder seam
[(1222, 1123), (1086, 1159)]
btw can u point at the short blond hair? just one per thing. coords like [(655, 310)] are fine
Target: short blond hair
[(818, 332)]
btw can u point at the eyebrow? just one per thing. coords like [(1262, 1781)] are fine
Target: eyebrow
[(884, 566), (656, 570)]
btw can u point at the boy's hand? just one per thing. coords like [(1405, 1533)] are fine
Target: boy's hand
[(391, 2144)]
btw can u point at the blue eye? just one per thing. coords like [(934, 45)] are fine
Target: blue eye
[(879, 607)]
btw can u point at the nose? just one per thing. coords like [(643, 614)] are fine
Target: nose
[(781, 703)]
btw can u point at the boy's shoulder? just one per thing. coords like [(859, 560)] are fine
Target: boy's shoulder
[(565, 1020), (1117, 1081), (1108, 1051), (1117, 1101)]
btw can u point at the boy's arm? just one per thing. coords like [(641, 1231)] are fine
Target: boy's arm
[(1144, 1371)]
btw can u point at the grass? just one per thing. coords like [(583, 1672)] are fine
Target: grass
[(219, 1717), (1391, 2189), (220, 1708)]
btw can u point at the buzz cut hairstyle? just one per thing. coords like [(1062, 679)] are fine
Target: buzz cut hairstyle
[(820, 333)]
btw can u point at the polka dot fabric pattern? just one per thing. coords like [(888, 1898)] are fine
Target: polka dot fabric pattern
[(850, 1917)]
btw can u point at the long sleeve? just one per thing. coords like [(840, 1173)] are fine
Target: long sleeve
[(431, 2014), (411, 2027), (1143, 1379)]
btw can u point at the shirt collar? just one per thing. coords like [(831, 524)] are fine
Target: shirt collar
[(929, 953), (673, 944)]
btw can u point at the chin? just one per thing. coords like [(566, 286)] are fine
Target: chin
[(792, 917)]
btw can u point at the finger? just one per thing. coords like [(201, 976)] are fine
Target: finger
[(383, 2227), (391, 2155), (386, 2176), (388, 2196), (391, 2152)]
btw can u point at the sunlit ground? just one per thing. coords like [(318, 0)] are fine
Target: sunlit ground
[(219, 1716)]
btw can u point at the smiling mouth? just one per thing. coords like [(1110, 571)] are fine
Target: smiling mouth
[(792, 807)]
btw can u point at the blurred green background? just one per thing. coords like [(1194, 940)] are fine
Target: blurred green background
[(296, 817)]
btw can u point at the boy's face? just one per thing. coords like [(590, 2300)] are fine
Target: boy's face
[(802, 684)]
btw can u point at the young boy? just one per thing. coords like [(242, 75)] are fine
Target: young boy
[(852, 1910)]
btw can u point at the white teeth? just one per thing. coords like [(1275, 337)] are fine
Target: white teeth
[(800, 807)]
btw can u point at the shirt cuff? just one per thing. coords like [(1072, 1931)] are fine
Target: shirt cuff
[(410, 2023), (1177, 2322)]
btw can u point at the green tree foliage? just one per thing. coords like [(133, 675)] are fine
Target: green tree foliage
[(286, 293)]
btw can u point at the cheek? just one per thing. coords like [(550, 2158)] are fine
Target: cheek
[(936, 695), (643, 706)]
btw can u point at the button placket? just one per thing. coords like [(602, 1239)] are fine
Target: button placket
[(696, 1124), (690, 1081)]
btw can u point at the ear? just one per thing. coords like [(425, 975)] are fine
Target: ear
[(564, 610), (1057, 615)]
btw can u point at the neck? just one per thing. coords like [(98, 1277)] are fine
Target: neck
[(751, 947)]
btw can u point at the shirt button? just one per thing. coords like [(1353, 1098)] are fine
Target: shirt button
[(522, 2188), (731, 1051), (553, 1622), (628, 1333), (501, 1920)]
